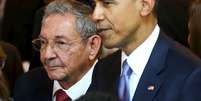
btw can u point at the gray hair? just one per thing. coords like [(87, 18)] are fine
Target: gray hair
[(83, 23)]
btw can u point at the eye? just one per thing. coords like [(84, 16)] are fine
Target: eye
[(108, 2), (39, 43), (59, 42), (42, 42), (62, 45)]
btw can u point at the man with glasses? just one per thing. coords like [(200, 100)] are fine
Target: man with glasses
[(69, 48)]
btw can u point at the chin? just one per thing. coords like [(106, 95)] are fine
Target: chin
[(109, 45), (55, 76)]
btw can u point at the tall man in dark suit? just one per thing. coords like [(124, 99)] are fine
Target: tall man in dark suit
[(69, 47), (151, 66)]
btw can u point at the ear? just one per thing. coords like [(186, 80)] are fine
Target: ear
[(147, 7), (94, 43)]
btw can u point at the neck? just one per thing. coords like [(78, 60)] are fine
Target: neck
[(69, 81), (140, 35)]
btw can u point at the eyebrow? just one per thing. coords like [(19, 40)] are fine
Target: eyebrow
[(60, 37), (40, 36), (57, 37), (112, 1)]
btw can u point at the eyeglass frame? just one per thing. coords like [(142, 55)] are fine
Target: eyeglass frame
[(67, 44)]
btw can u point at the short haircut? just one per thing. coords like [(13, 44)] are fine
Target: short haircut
[(83, 22)]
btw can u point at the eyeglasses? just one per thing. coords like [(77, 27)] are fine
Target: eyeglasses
[(2, 63), (40, 44)]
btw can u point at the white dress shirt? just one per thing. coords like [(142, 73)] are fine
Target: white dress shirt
[(138, 59), (79, 88)]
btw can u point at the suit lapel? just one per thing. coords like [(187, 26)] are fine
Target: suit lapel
[(152, 77)]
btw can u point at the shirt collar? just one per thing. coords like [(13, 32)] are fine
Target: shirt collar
[(79, 88), (138, 59)]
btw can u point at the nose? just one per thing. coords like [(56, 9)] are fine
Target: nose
[(48, 53), (98, 13)]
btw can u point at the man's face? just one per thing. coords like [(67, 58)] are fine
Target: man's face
[(117, 21), (66, 55)]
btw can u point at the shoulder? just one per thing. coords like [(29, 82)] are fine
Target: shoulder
[(181, 59), (37, 74), (32, 85), (31, 80)]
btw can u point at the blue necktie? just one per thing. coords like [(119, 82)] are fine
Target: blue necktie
[(123, 88)]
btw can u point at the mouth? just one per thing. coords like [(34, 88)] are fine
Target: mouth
[(53, 66)]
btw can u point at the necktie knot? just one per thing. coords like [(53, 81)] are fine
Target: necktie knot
[(61, 96), (126, 69)]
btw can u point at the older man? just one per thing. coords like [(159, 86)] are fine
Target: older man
[(68, 47)]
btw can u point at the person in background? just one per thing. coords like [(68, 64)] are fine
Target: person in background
[(69, 47), (194, 38), (13, 65), (150, 66), (4, 89), (12, 62)]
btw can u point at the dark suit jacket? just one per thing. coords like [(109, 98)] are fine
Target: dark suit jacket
[(36, 86), (172, 71)]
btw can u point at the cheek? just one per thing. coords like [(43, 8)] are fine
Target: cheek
[(116, 20), (68, 57), (65, 57)]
